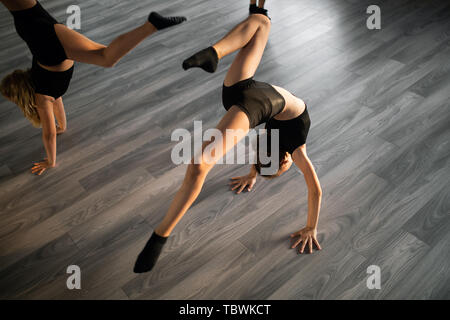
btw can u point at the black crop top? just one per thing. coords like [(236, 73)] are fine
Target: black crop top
[(293, 132)]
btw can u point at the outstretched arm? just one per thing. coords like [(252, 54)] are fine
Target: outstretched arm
[(308, 235), (44, 107)]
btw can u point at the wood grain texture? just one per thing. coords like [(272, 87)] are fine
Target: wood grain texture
[(379, 140)]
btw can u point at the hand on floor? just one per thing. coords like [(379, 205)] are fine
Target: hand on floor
[(40, 167), (307, 236)]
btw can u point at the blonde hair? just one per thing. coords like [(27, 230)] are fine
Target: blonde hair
[(18, 87)]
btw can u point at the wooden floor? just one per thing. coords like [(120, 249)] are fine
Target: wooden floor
[(380, 141)]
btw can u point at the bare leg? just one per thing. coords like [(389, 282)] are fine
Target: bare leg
[(82, 49), (234, 119), (261, 3), (251, 37), (241, 35)]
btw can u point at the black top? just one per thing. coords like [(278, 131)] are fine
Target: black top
[(292, 132), (36, 27)]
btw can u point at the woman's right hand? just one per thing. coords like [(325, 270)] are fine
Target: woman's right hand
[(240, 183), (40, 167)]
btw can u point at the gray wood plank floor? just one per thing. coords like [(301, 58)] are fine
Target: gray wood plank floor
[(380, 141)]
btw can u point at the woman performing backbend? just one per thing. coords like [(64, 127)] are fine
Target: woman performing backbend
[(38, 91), (248, 104)]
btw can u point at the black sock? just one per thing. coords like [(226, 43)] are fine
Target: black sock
[(206, 59), (252, 8), (149, 255), (161, 22)]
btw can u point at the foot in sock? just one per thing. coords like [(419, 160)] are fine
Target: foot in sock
[(207, 59), (161, 22), (149, 255)]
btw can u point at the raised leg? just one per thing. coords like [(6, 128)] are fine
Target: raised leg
[(250, 36), (82, 49)]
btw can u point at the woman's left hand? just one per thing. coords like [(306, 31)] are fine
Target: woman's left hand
[(40, 167), (307, 236)]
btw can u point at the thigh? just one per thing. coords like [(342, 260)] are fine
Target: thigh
[(232, 127), (78, 47), (248, 58)]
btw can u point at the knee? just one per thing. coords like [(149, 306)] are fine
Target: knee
[(262, 20), (109, 63), (106, 60), (195, 170)]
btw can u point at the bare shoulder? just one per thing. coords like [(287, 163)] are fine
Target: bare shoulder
[(44, 101)]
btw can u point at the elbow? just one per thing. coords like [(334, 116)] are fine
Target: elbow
[(106, 60), (316, 192), (319, 193)]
